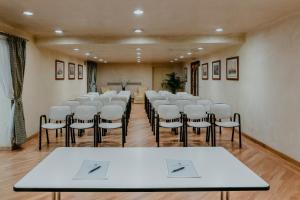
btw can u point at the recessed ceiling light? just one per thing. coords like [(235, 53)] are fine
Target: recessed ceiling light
[(138, 49), (101, 59), (59, 31), (105, 61), (138, 12), (189, 53), (87, 54), (171, 61), (181, 57), (28, 13), (200, 48), (95, 57), (138, 53), (138, 30), (76, 49), (219, 30), (176, 59), (138, 61)]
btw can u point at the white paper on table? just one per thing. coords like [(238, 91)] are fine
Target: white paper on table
[(189, 170), (87, 166)]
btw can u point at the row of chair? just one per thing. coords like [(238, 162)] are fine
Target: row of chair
[(184, 110), (98, 112)]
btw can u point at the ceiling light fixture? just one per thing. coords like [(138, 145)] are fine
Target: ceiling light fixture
[(138, 12), (101, 59), (138, 30), (95, 57), (189, 53), (59, 31), (138, 53), (171, 61), (76, 49), (138, 49), (181, 57), (200, 48), (87, 54), (176, 59), (219, 30), (105, 61), (28, 13)]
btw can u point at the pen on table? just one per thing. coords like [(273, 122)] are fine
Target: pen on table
[(98, 167), (176, 170)]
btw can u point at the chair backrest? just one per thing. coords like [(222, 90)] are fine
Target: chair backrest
[(118, 102), (156, 97), (120, 98), (181, 103), (93, 94), (72, 104), (221, 111), (84, 112), (206, 103), (160, 102), (195, 111), (59, 113), (97, 104), (112, 112), (104, 99), (168, 112), (82, 99)]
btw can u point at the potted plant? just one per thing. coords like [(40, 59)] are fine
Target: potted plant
[(173, 83)]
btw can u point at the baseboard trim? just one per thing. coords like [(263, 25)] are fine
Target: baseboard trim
[(18, 147), (5, 148), (280, 154)]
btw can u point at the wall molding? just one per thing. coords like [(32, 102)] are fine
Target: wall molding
[(278, 153)]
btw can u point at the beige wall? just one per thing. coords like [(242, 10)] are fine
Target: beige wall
[(267, 95), (144, 73), (41, 90)]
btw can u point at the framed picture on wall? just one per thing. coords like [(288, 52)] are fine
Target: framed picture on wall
[(232, 68), (71, 71), (80, 72), (59, 70), (216, 70), (205, 71)]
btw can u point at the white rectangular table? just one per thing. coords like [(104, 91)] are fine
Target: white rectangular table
[(141, 170)]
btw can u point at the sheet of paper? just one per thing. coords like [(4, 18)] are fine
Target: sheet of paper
[(181, 169), (84, 173)]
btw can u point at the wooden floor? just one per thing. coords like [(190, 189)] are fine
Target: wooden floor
[(283, 177)]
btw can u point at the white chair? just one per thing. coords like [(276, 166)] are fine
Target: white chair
[(104, 99), (72, 104), (168, 116), (93, 94), (156, 103), (222, 117), (182, 103), (82, 99), (111, 117), (57, 120), (97, 104), (84, 118), (196, 117), (206, 103)]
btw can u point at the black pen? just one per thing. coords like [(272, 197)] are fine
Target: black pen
[(98, 167), (176, 170)]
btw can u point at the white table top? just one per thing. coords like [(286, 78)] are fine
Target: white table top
[(141, 169)]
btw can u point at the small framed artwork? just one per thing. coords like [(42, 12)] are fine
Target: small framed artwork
[(232, 68), (59, 70), (71, 71), (216, 70), (80, 72), (205, 71)]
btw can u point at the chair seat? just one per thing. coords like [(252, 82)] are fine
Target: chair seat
[(82, 125), (53, 125), (110, 125), (170, 124), (199, 124), (227, 124)]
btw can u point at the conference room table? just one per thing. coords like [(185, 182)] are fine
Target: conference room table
[(141, 170)]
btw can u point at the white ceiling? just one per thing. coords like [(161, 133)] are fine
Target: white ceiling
[(110, 20)]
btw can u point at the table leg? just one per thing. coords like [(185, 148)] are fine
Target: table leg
[(56, 196), (226, 195), (222, 195)]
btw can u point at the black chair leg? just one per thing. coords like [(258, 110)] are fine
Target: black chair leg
[(207, 134), (95, 137), (56, 132), (40, 138), (240, 137), (232, 135), (47, 136)]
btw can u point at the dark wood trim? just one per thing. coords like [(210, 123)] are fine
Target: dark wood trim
[(195, 77), (59, 61), (212, 70), (70, 64), (78, 67), (238, 68), (205, 65)]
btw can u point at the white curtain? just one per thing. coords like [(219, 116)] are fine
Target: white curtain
[(6, 80)]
